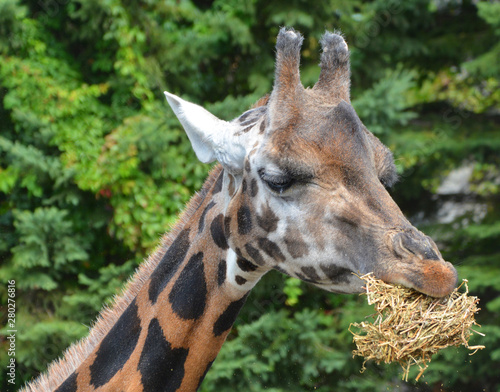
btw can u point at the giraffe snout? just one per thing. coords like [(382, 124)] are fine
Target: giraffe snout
[(419, 265)]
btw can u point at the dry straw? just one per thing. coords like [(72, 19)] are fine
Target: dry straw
[(410, 327)]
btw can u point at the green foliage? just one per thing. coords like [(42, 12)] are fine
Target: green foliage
[(487, 63), (47, 247), (292, 290), (383, 107), (260, 357), (94, 167)]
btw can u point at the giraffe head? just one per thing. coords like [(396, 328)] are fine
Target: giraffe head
[(306, 182)]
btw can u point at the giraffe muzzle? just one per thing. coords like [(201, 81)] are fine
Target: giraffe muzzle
[(419, 265)]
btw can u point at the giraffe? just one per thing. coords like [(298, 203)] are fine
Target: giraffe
[(300, 188)]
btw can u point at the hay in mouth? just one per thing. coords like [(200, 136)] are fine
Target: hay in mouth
[(409, 327)]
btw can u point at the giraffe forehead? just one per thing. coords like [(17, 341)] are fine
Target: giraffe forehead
[(328, 136)]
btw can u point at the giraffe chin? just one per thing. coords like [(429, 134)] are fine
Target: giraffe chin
[(352, 285), (434, 278)]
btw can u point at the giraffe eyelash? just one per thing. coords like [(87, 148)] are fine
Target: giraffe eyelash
[(277, 183)]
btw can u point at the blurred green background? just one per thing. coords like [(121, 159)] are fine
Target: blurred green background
[(94, 167)]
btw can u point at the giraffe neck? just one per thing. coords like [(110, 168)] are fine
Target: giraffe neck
[(171, 328)]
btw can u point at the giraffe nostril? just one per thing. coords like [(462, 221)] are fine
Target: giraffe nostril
[(416, 244)]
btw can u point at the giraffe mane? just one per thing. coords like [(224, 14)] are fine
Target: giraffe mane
[(63, 367)]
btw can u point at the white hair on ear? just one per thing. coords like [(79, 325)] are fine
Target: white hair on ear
[(212, 138)]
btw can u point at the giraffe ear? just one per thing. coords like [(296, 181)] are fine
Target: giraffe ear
[(212, 139)]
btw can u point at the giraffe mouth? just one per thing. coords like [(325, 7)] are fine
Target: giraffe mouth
[(415, 262), (436, 278)]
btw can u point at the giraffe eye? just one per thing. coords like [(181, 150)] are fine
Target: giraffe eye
[(277, 183)]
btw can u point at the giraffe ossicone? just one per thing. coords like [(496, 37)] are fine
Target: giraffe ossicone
[(300, 188)]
